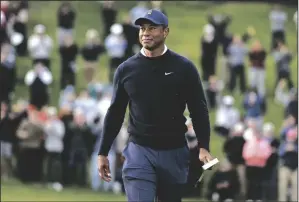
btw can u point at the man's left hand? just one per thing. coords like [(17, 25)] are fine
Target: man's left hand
[(204, 155)]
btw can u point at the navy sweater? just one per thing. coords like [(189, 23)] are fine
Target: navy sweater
[(157, 91)]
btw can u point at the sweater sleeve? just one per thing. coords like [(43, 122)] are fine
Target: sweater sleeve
[(197, 106), (115, 114)]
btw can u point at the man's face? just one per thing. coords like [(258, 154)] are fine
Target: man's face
[(39, 67), (152, 36), (84, 94), (237, 39)]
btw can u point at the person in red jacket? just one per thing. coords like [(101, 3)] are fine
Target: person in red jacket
[(256, 152)]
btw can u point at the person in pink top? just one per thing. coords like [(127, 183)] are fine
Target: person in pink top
[(256, 152)]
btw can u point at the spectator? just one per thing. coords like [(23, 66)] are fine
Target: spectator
[(278, 19), (109, 15), (237, 53), (3, 33), (79, 148), (86, 103), (288, 169), (68, 54), (138, 11), (233, 148), (256, 152), (288, 123), (10, 121), (131, 34), (220, 23), (208, 52), (7, 72), (287, 98), (4, 7), (66, 117), (271, 181), (40, 46), (38, 80), (269, 134), (283, 58), (292, 107), (257, 70), (90, 53), (54, 132), (67, 97), (7, 140), (20, 19), (213, 91), (30, 135), (116, 45), (282, 93), (66, 16), (251, 128), (226, 116), (226, 43), (224, 184), (95, 89), (5, 21), (253, 106), (157, 5)]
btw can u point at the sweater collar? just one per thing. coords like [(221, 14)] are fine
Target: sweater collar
[(143, 53)]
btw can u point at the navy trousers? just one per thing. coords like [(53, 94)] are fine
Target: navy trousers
[(149, 174)]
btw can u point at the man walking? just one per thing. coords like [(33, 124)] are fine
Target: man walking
[(157, 83)]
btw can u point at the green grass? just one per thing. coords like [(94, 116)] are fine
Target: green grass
[(186, 22), (15, 191)]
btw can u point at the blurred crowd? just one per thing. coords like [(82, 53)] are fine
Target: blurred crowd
[(58, 145)]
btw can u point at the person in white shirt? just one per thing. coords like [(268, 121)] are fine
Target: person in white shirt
[(116, 45), (278, 18), (54, 133), (85, 103), (283, 94), (227, 116), (38, 79), (40, 46)]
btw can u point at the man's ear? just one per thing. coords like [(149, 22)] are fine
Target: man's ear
[(166, 32)]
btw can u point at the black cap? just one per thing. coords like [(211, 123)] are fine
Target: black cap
[(154, 16)]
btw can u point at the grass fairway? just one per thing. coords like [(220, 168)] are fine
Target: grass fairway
[(15, 191), (186, 22)]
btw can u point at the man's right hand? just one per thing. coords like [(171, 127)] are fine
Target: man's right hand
[(104, 170), (205, 156)]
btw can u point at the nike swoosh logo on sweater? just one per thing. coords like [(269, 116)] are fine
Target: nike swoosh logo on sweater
[(167, 73)]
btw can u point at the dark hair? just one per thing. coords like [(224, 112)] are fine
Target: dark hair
[(252, 89)]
